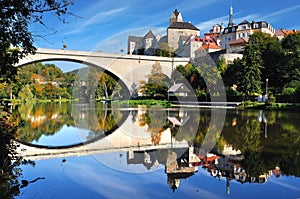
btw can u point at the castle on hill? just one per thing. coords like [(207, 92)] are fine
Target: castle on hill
[(183, 38)]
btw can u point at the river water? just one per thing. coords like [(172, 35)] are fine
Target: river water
[(112, 151)]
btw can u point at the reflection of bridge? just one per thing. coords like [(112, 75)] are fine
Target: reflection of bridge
[(121, 65), (125, 138)]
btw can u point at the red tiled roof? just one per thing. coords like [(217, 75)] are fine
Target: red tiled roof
[(199, 39), (240, 40), (283, 32), (287, 32), (279, 32), (209, 46)]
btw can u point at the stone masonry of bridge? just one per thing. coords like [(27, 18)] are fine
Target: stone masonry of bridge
[(125, 67)]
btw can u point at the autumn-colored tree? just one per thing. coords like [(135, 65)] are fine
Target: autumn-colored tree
[(157, 84)]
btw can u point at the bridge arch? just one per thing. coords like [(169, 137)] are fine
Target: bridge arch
[(120, 66), (79, 61)]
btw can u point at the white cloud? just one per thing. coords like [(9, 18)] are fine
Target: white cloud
[(98, 18), (281, 12), (192, 6), (207, 25), (284, 184)]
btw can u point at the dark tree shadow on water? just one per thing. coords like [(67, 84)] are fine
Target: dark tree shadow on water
[(10, 161)]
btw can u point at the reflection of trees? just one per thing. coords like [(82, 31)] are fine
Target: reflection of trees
[(107, 119), (249, 136), (9, 160), (247, 140), (42, 119), (280, 148), (157, 123), (49, 118)]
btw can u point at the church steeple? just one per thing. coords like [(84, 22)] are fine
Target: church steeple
[(230, 23)]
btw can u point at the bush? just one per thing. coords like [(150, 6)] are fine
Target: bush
[(66, 95), (288, 91), (25, 94), (271, 99)]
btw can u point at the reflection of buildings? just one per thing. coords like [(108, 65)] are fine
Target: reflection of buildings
[(183, 163), (180, 168), (178, 119), (228, 165)]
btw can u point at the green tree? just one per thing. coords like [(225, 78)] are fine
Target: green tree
[(164, 50), (16, 39), (15, 42), (189, 73), (290, 68), (108, 85), (211, 76), (25, 94), (249, 82), (221, 65)]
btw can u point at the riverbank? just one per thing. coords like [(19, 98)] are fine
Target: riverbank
[(272, 106), (168, 104)]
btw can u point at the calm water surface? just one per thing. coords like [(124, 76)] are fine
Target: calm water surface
[(113, 152)]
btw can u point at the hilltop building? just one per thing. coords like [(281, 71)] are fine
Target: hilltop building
[(207, 48), (192, 44), (243, 30), (177, 32), (177, 28), (215, 33), (183, 38), (281, 33), (145, 45)]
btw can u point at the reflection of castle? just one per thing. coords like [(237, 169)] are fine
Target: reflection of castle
[(183, 163), (180, 168)]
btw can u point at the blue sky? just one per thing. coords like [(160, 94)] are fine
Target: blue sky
[(105, 25)]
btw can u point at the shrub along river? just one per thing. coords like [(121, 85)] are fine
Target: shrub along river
[(108, 151)]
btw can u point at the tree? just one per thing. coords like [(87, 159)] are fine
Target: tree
[(50, 91), (249, 82), (25, 94), (108, 85), (188, 73), (290, 68), (221, 65), (164, 50), (16, 40), (211, 76), (157, 84)]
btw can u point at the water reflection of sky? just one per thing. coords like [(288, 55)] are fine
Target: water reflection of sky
[(67, 135), (86, 177), (112, 175), (118, 161)]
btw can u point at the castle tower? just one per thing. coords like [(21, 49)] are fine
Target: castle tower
[(175, 17)]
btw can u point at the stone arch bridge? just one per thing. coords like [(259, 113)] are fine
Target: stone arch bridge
[(126, 68)]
